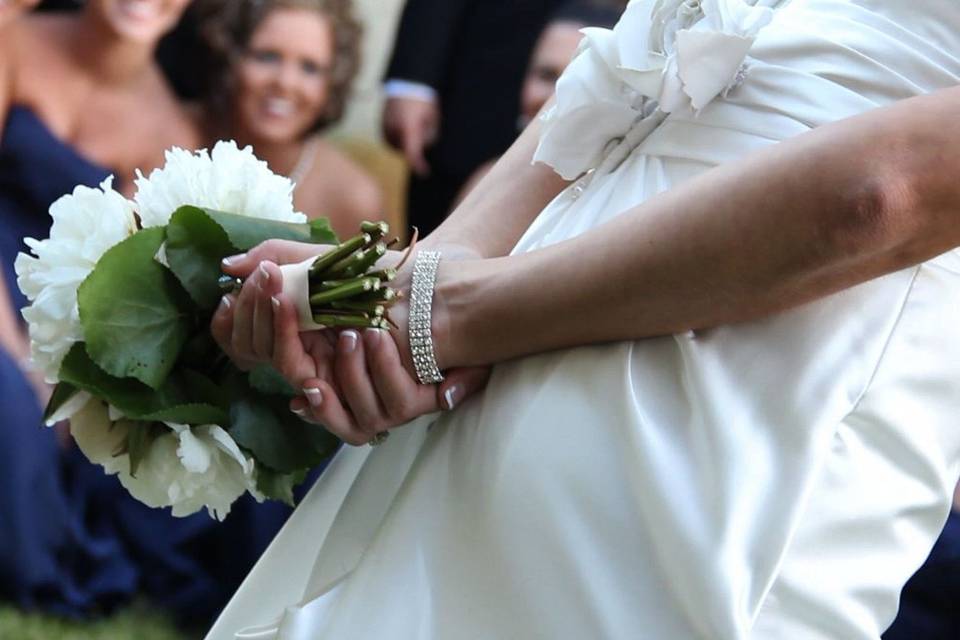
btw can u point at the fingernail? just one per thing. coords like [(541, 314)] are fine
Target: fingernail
[(264, 273), (372, 337), (300, 412), (275, 303), (452, 396), (232, 260), (225, 302), (349, 339), (314, 397)]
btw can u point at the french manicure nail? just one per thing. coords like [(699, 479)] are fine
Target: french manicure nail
[(372, 337), (452, 396), (264, 273), (300, 412), (225, 302), (349, 338), (232, 260), (314, 397), (275, 302)]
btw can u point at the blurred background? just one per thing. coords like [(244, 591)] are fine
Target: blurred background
[(375, 109)]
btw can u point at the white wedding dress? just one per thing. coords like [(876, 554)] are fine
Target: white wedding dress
[(778, 479)]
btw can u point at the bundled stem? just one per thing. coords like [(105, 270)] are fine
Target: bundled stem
[(344, 292)]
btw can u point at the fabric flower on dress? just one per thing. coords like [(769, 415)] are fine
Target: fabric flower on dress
[(186, 468), (86, 223), (662, 56), (226, 179)]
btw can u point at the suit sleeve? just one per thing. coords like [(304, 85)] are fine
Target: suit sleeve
[(426, 39)]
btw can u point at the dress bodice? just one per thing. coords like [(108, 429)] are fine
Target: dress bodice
[(36, 168)]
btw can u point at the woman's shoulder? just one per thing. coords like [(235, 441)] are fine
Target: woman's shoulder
[(336, 181), (39, 35)]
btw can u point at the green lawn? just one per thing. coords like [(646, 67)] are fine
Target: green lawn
[(133, 624)]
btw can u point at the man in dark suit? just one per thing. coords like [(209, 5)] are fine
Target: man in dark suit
[(452, 91)]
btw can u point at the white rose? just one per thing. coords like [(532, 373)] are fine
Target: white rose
[(228, 179), (86, 223)]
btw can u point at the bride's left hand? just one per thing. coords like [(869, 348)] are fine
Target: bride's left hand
[(356, 384)]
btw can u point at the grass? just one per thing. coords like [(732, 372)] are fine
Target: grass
[(136, 623)]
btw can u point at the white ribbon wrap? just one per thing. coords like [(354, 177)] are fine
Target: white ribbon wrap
[(296, 286)]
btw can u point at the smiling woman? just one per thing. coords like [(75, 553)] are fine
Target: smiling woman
[(281, 74), (82, 98)]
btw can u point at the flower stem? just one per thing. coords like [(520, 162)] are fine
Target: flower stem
[(341, 251), (361, 285)]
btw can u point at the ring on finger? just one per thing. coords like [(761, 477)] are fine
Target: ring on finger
[(379, 438)]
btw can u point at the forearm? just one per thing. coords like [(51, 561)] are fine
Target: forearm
[(11, 336), (822, 212), (491, 219)]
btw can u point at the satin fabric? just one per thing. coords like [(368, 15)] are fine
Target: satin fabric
[(781, 478)]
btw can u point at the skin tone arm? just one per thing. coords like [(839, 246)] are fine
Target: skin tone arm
[(840, 205), (494, 215), (800, 220)]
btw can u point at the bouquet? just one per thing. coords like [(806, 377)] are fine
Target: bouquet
[(122, 294)]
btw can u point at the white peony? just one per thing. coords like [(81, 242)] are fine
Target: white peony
[(187, 468), (228, 179), (191, 468), (86, 223), (99, 438)]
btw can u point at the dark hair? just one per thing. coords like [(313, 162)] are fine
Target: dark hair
[(226, 27), (589, 13)]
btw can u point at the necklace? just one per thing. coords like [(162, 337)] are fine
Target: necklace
[(305, 162)]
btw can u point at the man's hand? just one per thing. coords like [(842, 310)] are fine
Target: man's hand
[(411, 126)]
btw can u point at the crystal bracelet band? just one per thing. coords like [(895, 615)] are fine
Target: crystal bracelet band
[(421, 302)]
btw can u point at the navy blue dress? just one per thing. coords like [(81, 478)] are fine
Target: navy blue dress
[(72, 541), (930, 602)]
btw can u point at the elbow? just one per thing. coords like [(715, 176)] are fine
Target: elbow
[(879, 215)]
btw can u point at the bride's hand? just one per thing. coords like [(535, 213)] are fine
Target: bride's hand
[(378, 387), (357, 385)]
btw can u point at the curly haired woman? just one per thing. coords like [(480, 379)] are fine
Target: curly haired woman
[(282, 72)]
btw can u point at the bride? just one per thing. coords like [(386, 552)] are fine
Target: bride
[(779, 475)]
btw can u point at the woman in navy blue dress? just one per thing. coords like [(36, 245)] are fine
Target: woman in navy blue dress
[(82, 98)]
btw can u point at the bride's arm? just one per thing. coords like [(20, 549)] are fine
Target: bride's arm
[(494, 215), (829, 209), (826, 210)]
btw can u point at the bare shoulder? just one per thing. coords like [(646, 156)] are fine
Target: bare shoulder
[(39, 35), (173, 123), (339, 186)]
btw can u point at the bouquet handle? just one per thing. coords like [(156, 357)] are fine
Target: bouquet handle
[(296, 286)]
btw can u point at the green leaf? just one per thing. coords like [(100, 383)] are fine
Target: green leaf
[(191, 413), (245, 233), (135, 315), (184, 398), (268, 380), (321, 232), (61, 395), (279, 486), (277, 438), (140, 437), (194, 248)]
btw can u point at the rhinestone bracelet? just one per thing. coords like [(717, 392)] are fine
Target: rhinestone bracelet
[(421, 301)]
